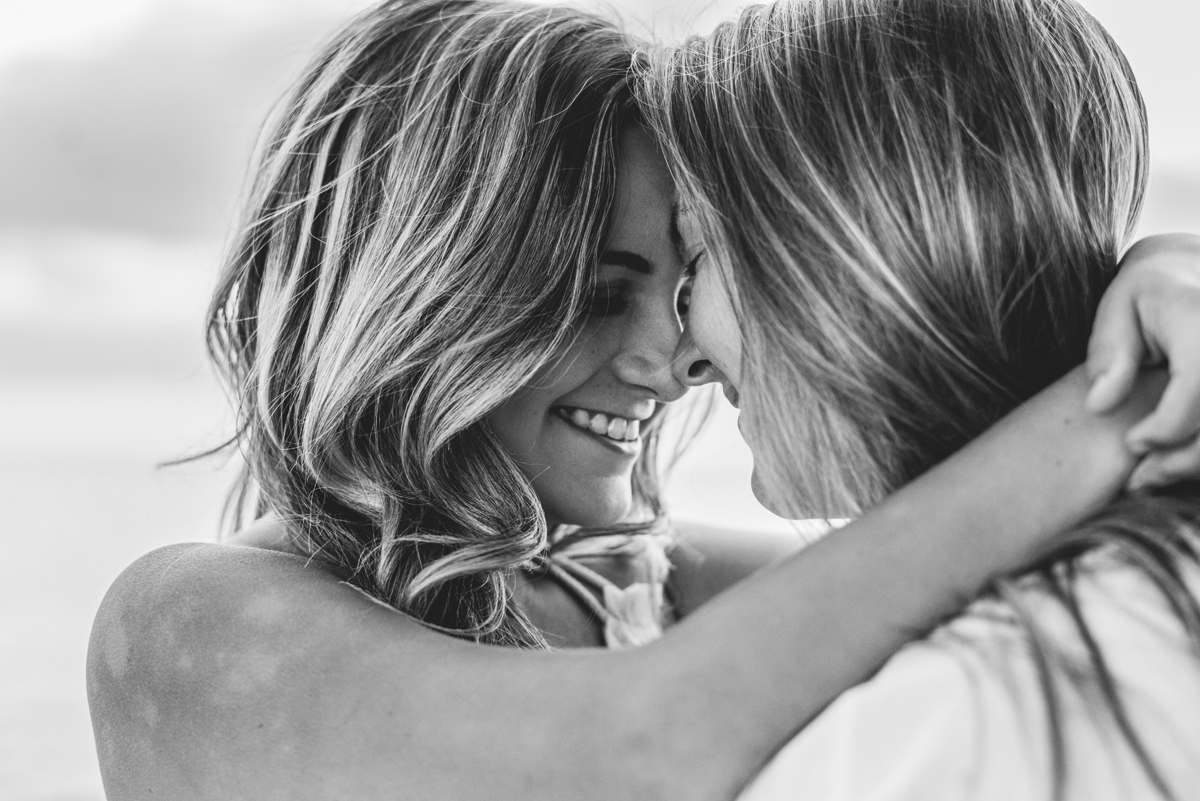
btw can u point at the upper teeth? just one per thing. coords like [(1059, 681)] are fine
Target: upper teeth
[(613, 427)]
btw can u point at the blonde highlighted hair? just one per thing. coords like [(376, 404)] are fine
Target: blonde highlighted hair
[(418, 239), (917, 205)]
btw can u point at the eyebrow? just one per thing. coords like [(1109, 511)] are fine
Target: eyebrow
[(673, 232), (623, 258)]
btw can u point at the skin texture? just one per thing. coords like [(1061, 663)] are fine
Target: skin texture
[(619, 364)]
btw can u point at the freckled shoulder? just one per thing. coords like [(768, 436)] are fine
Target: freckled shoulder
[(189, 649)]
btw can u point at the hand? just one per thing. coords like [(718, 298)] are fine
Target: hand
[(1151, 314)]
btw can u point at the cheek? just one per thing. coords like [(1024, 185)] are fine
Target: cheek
[(520, 422), (516, 423)]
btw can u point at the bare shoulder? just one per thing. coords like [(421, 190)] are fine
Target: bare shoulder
[(219, 671), (182, 594), (707, 560), (201, 647)]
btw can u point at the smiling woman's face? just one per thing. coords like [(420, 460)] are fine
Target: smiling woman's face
[(576, 427)]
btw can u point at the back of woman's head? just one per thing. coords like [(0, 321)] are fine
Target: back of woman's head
[(920, 203), (417, 241)]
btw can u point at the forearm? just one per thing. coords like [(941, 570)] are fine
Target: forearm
[(848, 602)]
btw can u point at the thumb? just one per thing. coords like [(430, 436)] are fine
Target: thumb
[(1115, 353)]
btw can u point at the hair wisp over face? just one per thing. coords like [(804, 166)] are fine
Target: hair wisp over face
[(418, 240)]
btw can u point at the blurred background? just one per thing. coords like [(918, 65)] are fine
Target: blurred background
[(125, 129)]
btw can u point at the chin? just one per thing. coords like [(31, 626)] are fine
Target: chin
[(764, 497), (597, 510), (789, 508), (599, 517)]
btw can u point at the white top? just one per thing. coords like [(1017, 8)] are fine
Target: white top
[(960, 715), (632, 615)]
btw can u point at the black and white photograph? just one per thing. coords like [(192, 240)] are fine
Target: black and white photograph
[(591, 400)]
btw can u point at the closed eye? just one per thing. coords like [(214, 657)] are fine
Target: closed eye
[(683, 299), (609, 300)]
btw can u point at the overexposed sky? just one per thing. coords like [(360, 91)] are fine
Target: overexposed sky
[(1158, 36), (70, 28), (1159, 39), (139, 114), (75, 28)]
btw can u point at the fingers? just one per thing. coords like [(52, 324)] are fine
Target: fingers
[(1115, 351), (1151, 312), (1112, 377), (1161, 468), (1177, 418)]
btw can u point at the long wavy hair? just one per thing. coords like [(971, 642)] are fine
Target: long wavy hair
[(917, 205), (419, 237)]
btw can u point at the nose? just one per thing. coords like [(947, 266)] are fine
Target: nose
[(646, 355), (689, 366)]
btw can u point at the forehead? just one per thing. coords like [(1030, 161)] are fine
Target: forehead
[(641, 157), (645, 191)]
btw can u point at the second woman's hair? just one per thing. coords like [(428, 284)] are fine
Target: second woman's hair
[(950, 184), (917, 205), (419, 238)]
